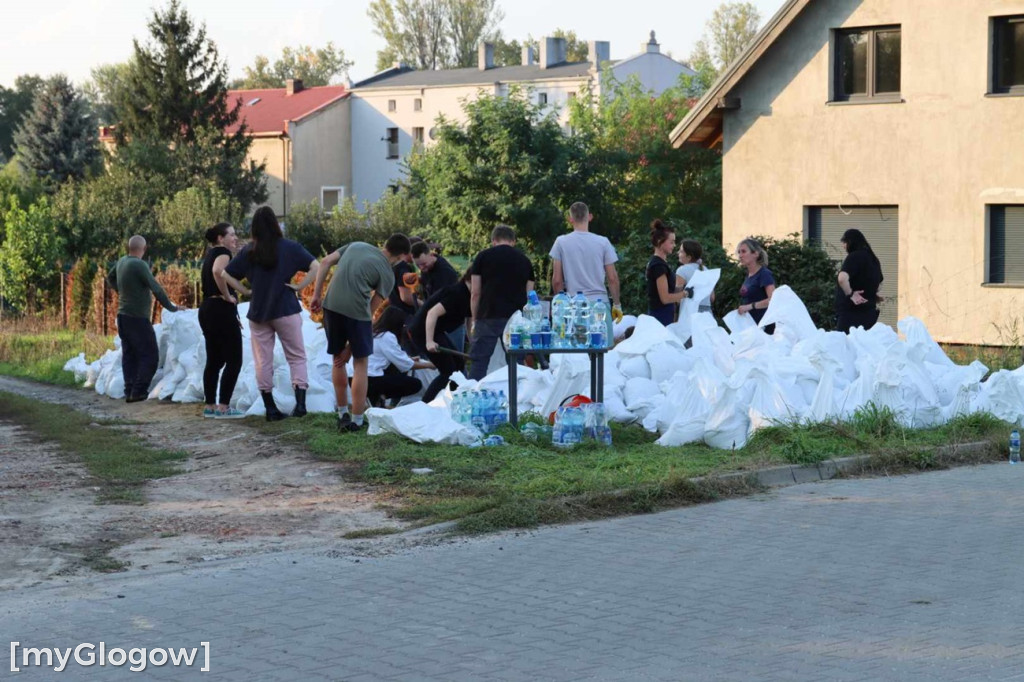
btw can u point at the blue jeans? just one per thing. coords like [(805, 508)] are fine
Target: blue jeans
[(139, 353), (485, 337)]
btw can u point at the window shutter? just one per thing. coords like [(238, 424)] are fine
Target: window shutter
[(880, 225), (1006, 245)]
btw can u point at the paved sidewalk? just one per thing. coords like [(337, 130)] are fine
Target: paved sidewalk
[(908, 578)]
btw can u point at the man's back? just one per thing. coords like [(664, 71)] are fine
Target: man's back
[(504, 272), (135, 287), (361, 270), (584, 256)]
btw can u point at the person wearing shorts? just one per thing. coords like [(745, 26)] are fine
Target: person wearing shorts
[(363, 280)]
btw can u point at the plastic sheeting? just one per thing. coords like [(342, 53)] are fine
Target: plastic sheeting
[(728, 384)]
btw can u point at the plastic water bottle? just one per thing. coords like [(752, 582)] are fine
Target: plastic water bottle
[(502, 408), (1014, 446), (581, 319), (545, 333), (478, 419), (602, 316), (572, 430), (560, 307), (558, 427)]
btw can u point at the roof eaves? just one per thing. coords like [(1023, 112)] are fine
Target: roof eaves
[(736, 71)]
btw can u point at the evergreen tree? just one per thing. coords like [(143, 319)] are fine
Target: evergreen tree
[(175, 102), (57, 139), (15, 103)]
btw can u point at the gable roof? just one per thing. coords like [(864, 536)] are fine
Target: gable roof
[(267, 111), (703, 125), (409, 78)]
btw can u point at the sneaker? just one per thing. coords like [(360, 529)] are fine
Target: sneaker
[(351, 427), (135, 398), (230, 413), (209, 413), (344, 421)]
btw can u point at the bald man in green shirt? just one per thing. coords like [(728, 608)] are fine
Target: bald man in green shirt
[(135, 287)]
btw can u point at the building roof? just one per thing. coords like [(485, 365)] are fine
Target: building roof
[(703, 125), (405, 77), (269, 110)]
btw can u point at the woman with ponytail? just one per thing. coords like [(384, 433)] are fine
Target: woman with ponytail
[(218, 318), (662, 296)]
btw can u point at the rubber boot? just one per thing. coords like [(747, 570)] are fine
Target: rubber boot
[(273, 414), (300, 402)]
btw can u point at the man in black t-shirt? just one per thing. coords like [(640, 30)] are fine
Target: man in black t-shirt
[(500, 278), (401, 296), (432, 327), (436, 273)]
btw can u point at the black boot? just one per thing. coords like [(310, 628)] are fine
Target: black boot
[(300, 402), (273, 414)]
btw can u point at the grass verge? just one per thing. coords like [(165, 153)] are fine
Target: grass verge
[(119, 462), (526, 483), (40, 354)]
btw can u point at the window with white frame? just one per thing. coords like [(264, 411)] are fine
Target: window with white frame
[(392, 139), (331, 196)]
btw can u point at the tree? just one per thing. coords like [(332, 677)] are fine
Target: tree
[(185, 217), (470, 21), (313, 66), (727, 33), (14, 104), (175, 111), (433, 34), (57, 139), (29, 255), (104, 89), (507, 164), (509, 53)]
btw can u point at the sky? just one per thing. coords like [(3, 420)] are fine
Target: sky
[(73, 36)]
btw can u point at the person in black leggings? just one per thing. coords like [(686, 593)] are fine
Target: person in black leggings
[(441, 314), (218, 318)]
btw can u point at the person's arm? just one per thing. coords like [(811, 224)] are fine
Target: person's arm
[(314, 268), (405, 294), (159, 292), (433, 315), (375, 301), (856, 297), (759, 305), (663, 292), (475, 287), (219, 263), (329, 261), (612, 275), (557, 277), (236, 285), (394, 354)]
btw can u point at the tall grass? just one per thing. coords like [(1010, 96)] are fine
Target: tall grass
[(36, 347)]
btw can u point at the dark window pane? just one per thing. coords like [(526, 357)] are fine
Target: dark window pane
[(1009, 53), (887, 61), (853, 64)]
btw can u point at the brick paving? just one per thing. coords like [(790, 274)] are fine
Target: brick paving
[(906, 578)]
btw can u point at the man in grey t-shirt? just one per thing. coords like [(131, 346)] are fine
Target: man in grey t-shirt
[(584, 261)]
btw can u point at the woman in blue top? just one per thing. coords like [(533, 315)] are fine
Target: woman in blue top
[(662, 296), (758, 287), (269, 263)]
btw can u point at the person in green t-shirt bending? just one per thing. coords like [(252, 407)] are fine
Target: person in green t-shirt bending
[(135, 287)]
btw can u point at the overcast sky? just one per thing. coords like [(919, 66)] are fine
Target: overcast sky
[(72, 36)]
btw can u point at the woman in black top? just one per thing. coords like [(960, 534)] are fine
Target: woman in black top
[(218, 318), (662, 296), (859, 279), (441, 314)]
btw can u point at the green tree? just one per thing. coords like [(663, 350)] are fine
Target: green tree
[(510, 53), (183, 219), (104, 89), (14, 104), (433, 34), (313, 66), (175, 100), (727, 34), (507, 164), (29, 256), (57, 139)]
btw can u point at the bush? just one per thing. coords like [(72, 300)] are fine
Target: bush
[(322, 233), (180, 284), (80, 295), (182, 221), (29, 256)]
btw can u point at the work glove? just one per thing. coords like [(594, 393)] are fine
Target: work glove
[(616, 313), (689, 292)]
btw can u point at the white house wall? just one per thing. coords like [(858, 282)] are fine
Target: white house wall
[(655, 70)]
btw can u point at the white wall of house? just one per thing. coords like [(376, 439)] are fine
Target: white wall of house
[(320, 153), (656, 71), (941, 155)]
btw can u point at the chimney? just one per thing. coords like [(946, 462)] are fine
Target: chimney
[(485, 55), (527, 55), (552, 52), (599, 52), (651, 46), (292, 86)]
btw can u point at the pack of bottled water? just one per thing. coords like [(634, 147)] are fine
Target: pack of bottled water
[(485, 410), (574, 323), (574, 425)]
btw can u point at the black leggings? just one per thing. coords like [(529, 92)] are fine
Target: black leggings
[(219, 321), (446, 365), (393, 386)]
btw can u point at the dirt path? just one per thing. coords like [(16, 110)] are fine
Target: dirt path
[(241, 492)]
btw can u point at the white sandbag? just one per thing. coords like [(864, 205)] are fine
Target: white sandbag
[(703, 283), (635, 366), (1003, 396), (738, 323), (690, 417), (664, 413), (640, 396), (648, 333), (624, 325), (651, 419), (615, 407), (420, 423), (77, 366), (666, 361), (768, 405), (789, 315), (572, 378), (920, 345), (727, 424)]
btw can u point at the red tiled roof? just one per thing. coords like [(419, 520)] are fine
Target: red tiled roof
[(266, 111)]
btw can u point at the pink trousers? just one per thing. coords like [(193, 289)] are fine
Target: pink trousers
[(289, 330)]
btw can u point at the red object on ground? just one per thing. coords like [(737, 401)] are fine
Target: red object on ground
[(572, 401)]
